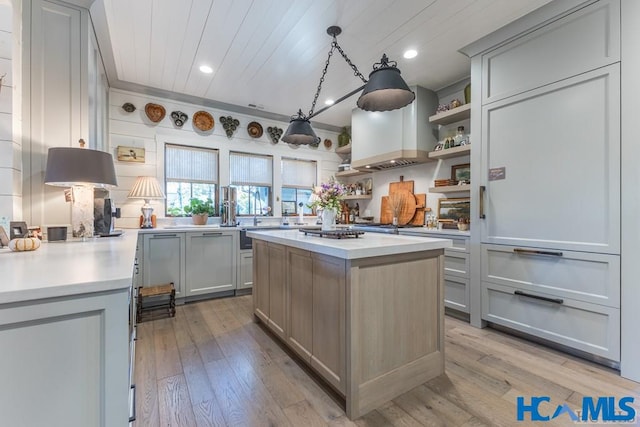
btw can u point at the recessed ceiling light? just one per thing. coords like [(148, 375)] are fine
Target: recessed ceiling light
[(411, 53), (368, 166), (329, 102), (206, 69), (392, 161)]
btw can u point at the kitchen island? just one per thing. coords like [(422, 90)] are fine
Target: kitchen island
[(365, 313), (64, 315)]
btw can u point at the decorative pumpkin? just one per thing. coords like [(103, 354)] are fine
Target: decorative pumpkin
[(24, 244)]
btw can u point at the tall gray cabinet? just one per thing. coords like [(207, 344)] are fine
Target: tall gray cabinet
[(547, 109)]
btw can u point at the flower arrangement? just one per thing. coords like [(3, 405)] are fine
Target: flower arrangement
[(328, 195)]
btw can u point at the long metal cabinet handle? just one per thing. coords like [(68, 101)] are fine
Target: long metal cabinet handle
[(536, 252), (482, 190), (212, 234), (553, 300), (163, 236)]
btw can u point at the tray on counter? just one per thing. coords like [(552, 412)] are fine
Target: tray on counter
[(332, 234)]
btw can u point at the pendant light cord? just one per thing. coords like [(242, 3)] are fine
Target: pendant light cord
[(356, 72)]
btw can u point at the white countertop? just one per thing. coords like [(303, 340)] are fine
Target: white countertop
[(209, 227), (366, 246), (61, 269), (425, 231)]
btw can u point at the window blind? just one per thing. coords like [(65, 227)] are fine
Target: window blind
[(190, 164), (250, 169), (298, 173)]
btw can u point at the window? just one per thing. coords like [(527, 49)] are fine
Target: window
[(252, 175), (190, 172), (298, 177)]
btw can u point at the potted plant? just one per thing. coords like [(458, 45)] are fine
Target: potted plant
[(199, 210)]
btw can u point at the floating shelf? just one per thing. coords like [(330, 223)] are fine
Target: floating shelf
[(351, 172), (451, 189), (360, 197), (451, 152), (451, 116), (345, 149)]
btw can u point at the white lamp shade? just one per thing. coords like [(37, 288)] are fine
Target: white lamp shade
[(146, 187)]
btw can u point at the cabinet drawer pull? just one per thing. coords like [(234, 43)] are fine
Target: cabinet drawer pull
[(536, 252), (482, 190), (524, 294), (211, 234), (163, 236)]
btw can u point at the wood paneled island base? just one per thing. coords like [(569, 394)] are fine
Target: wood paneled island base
[(372, 327)]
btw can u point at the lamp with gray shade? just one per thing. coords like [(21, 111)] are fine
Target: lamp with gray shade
[(82, 169), (147, 188)]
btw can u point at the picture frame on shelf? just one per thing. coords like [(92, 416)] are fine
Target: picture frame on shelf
[(461, 172), (451, 210)]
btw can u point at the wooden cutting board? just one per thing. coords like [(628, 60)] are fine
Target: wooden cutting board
[(400, 186), (421, 208), (407, 212), (386, 216)]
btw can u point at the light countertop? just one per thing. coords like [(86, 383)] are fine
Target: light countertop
[(61, 269), (425, 231), (366, 246), (209, 227)]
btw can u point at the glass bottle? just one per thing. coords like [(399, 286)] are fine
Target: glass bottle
[(460, 138)]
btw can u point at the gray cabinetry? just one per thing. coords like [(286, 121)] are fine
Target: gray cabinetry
[(164, 260), (456, 269), (210, 262), (549, 242), (245, 269)]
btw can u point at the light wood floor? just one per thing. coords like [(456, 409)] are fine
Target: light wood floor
[(212, 366)]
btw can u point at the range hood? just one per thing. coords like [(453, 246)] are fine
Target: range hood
[(392, 139)]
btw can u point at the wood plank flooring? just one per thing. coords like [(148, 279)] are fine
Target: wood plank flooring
[(212, 366)]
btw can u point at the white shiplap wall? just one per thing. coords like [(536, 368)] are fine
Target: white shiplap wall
[(10, 122), (136, 130)]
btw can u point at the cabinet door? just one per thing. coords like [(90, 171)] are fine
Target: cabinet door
[(560, 147), (164, 260), (300, 302), (210, 262), (245, 270), (277, 289), (261, 280), (328, 355)]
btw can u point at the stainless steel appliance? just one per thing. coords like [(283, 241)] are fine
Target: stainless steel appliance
[(104, 217), (229, 204)]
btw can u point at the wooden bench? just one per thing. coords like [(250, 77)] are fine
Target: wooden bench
[(155, 293)]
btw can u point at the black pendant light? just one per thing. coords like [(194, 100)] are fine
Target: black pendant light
[(300, 131), (385, 91)]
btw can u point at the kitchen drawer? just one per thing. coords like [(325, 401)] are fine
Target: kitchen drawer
[(583, 276), (456, 264), (460, 244), (456, 293), (588, 327)]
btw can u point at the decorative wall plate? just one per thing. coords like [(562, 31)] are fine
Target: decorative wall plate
[(155, 112), (229, 124), (328, 143), (254, 129), (179, 118), (274, 133), (128, 107), (203, 121)]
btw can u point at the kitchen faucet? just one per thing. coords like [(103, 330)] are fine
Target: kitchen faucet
[(255, 220)]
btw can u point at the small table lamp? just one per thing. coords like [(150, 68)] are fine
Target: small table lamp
[(147, 188), (82, 169)]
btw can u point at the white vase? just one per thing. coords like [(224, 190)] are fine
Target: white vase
[(328, 219)]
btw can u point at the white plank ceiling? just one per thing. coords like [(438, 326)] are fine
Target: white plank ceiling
[(271, 52)]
